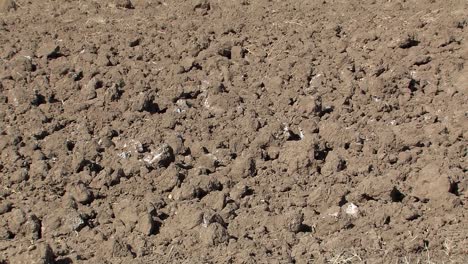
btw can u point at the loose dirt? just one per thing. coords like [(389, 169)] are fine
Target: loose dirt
[(209, 131)]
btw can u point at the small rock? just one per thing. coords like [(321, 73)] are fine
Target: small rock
[(189, 217), (146, 224), (21, 95), (5, 233), (333, 211), (316, 82), (32, 228), (461, 79), (237, 53), (143, 102), (134, 42), (16, 219), (69, 202), (202, 7), (307, 127), (131, 167), (94, 84), (107, 142), (48, 50), (81, 193), (197, 149), (73, 221), (310, 106), (407, 42), (38, 169), (126, 212), (103, 60), (214, 234), (333, 163), (352, 210), (238, 192), (5, 207), (431, 184), (23, 64), (107, 178), (244, 167), (187, 63), (294, 222), (274, 84), (169, 179), (409, 213), (162, 157), (177, 143), (208, 162), (78, 162), (186, 192), (215, 200), (61, 221), (19, 176), (206, 184), (381, 188), (124, 4), (135, 146), (89, 91), (298, 155), (7, 5), (118, 249), (210, 216)]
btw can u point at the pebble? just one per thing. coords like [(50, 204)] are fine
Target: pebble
[(214, 234), (60, 222), (244, 167), (127, 4), (81, 193), (146, 224), (5, 233), (32, 228), (5, 207), (186, 192), (210, 216), (333, 163), (215, 200), (16, 220), (107, 142), (48, 49), (126, 212), (310, 106), (73, 221), (143, 102), (431, 183), (352, 210), (162, 157), (294, 222), (103, 60), (238, 192), (208, 162), (189, 217), (23, 64), (19, 176), (169, 179), (118, 249), (237, 52), (187, 63)]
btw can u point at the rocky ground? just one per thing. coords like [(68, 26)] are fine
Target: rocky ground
[(247, 131)]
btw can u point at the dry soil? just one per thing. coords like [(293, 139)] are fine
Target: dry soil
[(245, 131)]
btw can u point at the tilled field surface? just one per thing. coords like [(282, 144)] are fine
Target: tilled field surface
[(215, 131)]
